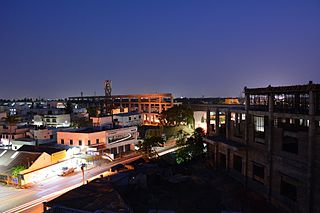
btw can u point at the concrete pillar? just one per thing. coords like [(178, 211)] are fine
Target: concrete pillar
[(208, 122), (217, 130), (311, 139), (228, 120), (139, 105), (228, 160), (246, 135), (216, 155), (270, 142), (236, 120)]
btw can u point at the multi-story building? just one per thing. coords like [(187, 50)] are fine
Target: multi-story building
[(128, 119), (149, 105), (12, 132), (62, 120), (114, 141), (270, 144)]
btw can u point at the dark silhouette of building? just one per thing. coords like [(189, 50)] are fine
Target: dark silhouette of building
[(271, 143)]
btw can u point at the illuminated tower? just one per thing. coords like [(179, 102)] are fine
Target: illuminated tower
[(107, 92), (107, 88)]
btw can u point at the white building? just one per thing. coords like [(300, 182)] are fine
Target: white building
[(128, 119), (62, 120)]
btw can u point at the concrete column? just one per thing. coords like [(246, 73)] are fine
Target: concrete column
[(217, 130), (270, 142), (246, 136), (311, 139), (236, 120), (209, 130), (228, 160), (139, 104), (216, 165), (227, 120)]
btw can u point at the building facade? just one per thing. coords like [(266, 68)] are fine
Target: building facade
[(62, 120), (114, 141), (270, 144), (149, 105)]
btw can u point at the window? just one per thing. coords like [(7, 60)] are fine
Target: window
[(71, 142), (288, 189), (258, 172), (97, 141), (129, 118), (54, 120), (62, 141), (290, 144), (80, 142), (259, 124), (237, 163), (259, 129), (89, 142)]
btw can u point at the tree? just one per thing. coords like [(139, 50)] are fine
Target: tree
[(17, 169), (93, 111), (176, 116), (11, 120), (192, 147), (69, 108), (147, 146), (80, 122)]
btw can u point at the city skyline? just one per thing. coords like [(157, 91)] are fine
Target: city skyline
[(188, 48)]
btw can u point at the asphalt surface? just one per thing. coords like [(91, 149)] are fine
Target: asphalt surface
[(30, 200)]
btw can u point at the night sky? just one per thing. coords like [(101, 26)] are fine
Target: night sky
[(190, 48)]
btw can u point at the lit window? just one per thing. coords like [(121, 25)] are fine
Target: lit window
[(259, 124)]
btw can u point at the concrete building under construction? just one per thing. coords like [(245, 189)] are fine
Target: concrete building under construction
[(270, 144), (149, 105)]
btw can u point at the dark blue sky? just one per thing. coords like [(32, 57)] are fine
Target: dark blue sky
[(192, 48)]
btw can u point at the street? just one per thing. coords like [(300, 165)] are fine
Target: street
[(25, 200)]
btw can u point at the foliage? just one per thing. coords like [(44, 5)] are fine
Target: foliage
[(11, 119), (147, 146), (190, 148), (93, 111), (80, 122), (176, 116), (69, 108), (17, 169)]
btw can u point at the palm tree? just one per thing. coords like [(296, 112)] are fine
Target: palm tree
[(11, 120), (147, 146)]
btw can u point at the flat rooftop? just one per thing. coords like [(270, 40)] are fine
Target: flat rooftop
[(283, 89)]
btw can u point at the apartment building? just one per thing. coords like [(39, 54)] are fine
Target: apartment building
[(270, 144)]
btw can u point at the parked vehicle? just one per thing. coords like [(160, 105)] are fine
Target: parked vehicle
[(65, 171)]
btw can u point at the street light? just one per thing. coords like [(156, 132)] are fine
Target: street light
[(82, 170)]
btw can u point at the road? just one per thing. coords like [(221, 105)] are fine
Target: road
[(30, 200), (24, 200)]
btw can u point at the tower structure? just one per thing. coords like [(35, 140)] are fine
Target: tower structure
[(108, 100)]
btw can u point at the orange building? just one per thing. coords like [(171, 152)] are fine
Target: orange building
[(149, 105)]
